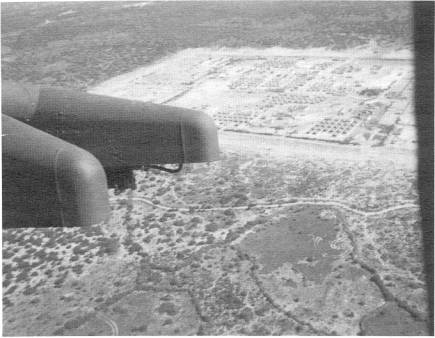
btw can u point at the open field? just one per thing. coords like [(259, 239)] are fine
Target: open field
[(294, 231)]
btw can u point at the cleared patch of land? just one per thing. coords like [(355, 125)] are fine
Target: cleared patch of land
[(360, 97)]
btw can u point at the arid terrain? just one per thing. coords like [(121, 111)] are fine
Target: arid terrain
[(309, 223), (274, 249)]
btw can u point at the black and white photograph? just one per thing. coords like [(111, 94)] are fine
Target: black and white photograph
[(217, 168)]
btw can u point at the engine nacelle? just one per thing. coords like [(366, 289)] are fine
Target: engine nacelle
[(119, 132), (48, 131), (49, 182)]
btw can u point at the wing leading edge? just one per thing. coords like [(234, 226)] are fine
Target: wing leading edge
[(61, 147)]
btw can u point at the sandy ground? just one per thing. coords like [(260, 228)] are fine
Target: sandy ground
[(294, 237), (286, 148)]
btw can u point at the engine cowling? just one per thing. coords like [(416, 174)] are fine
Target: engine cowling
[(62, 147), (49, 182), (119, 132)]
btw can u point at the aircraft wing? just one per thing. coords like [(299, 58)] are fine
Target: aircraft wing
[(61, 148)]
